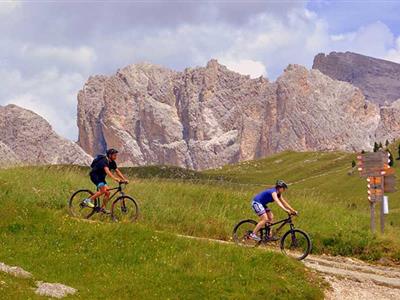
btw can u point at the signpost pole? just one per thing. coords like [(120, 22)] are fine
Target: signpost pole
[(382, 210), (372, 207), (381, 179)]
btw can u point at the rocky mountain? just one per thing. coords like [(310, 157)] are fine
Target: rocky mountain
[(27, 138), (378, 79), (210, 116)]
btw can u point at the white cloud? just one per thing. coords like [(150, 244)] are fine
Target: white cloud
[(50, 94), (246, 67), (7, 6), (373, 39), (44, 72), (394, 53), (81, 57)]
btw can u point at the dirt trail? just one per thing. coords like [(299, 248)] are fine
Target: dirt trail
[(354, 279), (350, 278)]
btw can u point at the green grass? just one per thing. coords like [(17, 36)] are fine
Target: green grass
[(131, 261), (17, 288), (332, 204), (37, 234)]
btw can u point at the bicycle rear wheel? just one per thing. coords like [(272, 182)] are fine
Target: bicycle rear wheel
[(296, 243), (241, 233), (124, 209), (76, 206)]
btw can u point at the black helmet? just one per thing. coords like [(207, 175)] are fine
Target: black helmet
[(111, 151), (281, 183)]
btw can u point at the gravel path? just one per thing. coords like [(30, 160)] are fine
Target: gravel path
[(354, 279)]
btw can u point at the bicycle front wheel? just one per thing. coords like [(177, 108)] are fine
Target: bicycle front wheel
[(242, 231), (76, 206), (124, 209), (296, 243)]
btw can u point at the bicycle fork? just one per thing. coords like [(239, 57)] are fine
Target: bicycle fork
[(293, 236)]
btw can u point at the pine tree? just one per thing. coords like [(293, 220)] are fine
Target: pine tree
[(353, 163), (391, 160), (376, 147), (380, 145), (387, 143), (362, 151), (399, 152)]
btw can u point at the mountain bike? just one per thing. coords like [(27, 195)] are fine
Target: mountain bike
[(123, 209), (294, 243)]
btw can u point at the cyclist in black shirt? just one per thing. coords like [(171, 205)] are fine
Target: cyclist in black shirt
[(101, 167)]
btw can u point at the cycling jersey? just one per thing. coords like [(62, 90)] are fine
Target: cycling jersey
[(265, 197), (97, 174)]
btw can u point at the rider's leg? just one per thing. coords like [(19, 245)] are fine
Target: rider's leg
[(89, 201), (261, 223), (270, 217), (97, 194), (106, 195)]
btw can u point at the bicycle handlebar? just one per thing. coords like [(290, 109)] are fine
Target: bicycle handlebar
[(293, 215)]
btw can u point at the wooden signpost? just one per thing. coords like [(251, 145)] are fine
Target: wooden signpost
[(381, 179)]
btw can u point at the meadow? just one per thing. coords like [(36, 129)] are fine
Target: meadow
[(148, 260), (123, 261)]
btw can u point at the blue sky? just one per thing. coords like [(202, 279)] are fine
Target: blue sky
[(48, 49)]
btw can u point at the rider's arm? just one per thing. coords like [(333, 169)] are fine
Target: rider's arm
[(286, 204), (278, 201), (108, 172), (120, 175)]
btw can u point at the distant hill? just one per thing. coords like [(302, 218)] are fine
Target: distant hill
[(378, 79)]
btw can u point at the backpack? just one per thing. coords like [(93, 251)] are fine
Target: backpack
[(96, 160)]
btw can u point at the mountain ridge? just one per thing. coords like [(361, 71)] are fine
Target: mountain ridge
[(208, 116)]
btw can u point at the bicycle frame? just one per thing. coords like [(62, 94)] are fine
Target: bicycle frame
[(288, 220), (118, 189)]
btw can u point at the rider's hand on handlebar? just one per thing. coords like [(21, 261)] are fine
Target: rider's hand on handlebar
[(120, 181), (294, 213)]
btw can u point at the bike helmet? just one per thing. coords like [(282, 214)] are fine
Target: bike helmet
[(111, 151), (281, 183)]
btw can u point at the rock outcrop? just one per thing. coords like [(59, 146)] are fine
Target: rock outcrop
[(315, 112), (26, 138), (378, 79), (210, 116), (389, 126)]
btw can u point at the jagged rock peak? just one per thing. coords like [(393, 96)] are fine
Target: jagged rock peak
[(32, 140), (209, 116)]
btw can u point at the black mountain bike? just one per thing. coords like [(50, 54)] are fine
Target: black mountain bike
[(295, 243), (123, 209)]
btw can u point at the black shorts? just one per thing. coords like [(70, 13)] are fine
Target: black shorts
[(98, 181)]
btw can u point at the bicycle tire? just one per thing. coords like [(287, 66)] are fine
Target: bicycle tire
[(242, 238), (74, 204), (294, 240), (121, 215)]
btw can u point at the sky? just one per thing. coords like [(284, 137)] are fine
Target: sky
[(48, 49)]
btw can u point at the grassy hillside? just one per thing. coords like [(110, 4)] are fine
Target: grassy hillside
[(125, 261), (37, 234), (332, 204)]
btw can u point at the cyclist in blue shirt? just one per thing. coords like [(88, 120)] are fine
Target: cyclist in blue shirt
[(260, 206)]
